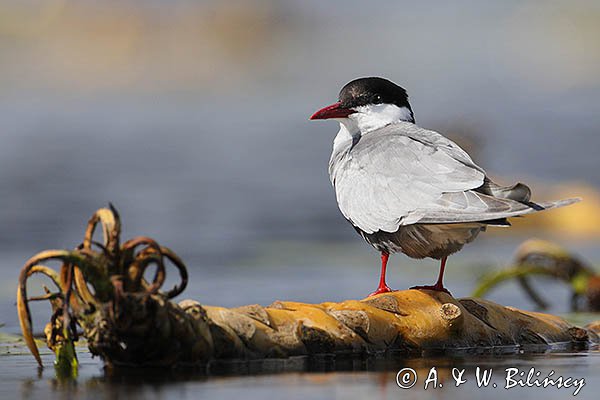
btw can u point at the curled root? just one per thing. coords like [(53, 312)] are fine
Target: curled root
[(178, 263), (32, 267), (96, 265)]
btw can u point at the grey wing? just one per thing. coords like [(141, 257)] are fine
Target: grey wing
[(389, 177), (403, 174)]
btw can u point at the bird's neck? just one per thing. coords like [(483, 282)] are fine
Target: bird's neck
[(367, 119), (344, 137)]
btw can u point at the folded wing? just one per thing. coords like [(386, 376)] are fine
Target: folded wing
[(393, 172), (403, 174)]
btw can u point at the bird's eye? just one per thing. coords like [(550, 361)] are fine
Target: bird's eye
[(377, 98)]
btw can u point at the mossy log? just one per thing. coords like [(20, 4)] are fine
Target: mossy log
[(130, 321)]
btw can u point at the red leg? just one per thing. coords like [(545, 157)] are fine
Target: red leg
[(439, 285), (382, 288)]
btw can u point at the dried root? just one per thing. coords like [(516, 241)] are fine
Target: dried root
[(110, 269)]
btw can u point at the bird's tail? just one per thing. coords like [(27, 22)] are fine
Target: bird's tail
[(517, 192), (521, 193)]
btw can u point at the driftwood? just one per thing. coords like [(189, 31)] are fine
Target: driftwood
[(128, 320)]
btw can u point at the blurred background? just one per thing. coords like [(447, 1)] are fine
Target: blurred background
[(192, 118)]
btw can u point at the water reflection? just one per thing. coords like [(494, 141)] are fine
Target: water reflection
[(321, 376)]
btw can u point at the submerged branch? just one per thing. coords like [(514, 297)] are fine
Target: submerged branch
[(539, 257)]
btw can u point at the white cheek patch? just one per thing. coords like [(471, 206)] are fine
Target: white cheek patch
[(375, 116)]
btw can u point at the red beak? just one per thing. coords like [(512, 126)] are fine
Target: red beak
[(332, 111)]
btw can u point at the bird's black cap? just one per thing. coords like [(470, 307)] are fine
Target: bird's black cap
[(366, 91)]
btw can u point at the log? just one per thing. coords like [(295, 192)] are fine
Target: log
[(409, 322), (129, 321)]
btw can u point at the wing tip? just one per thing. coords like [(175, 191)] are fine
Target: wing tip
[(549, 205)]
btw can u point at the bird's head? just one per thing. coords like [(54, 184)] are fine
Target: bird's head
[(366, 104)]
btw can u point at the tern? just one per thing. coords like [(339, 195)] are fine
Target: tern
[(408, 189)]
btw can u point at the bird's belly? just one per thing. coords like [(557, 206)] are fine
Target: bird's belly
[(425, 240)]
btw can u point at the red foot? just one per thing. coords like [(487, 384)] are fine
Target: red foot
[(381, 289), (436, 288)]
